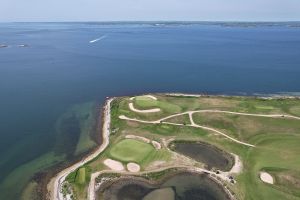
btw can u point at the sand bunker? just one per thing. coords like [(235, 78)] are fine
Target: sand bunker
[(156, 145), (133, 167), (143, 111), (149, 96), (238, 165), (113, 164), (266, 177)]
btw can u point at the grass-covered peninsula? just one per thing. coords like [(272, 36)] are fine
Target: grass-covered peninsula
[(237, 147)]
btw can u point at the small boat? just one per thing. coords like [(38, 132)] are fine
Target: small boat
[(23, 45)]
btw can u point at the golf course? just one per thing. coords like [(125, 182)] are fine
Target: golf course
[(206, 147)]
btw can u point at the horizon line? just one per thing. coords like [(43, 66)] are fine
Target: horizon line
[(163, 21)]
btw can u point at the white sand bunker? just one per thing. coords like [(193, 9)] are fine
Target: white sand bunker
[(143, 111), (266, 177), (238, 165), (133, 167), (156, 145), (123, 117), (113, 164), (149, 96)]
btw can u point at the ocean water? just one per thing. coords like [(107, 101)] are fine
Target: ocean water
[(67, 65)]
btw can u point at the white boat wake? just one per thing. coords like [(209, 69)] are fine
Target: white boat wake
[(98, 39)]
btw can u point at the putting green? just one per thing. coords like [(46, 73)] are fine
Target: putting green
[(129, 150)]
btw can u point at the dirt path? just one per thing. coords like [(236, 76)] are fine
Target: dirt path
[(234, 113), (54, 186), (190, 125), (91, 188)]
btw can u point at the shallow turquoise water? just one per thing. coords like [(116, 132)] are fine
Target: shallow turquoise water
[(61, 68)]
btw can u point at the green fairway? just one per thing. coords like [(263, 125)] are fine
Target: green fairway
[(278, 156), (129, 150), (80, 176), (247, 127)]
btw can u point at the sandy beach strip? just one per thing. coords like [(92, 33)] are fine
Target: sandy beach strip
[(55, 184)]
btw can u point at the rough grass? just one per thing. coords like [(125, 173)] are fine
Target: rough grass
[(275, 151), (129, 150), (277, 140), (246, 127), (295, 110), (79, 180), (181, 119), (171, 105)]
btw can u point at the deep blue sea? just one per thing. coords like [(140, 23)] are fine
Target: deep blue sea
[(61, 68)]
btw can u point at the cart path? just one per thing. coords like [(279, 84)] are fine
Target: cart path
[(193, 124)]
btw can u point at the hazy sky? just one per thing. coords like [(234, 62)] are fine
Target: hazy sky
[(106, 10)]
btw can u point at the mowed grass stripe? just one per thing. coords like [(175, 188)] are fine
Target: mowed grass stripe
[(129, 150), (80, 177)]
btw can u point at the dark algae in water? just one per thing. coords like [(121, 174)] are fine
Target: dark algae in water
[(208, 154)]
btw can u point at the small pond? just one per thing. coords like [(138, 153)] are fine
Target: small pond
[(204, 153), (179, 186)]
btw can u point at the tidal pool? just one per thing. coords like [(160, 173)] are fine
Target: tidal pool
[(179, 186), (208, 154)]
